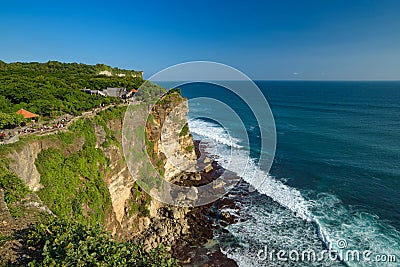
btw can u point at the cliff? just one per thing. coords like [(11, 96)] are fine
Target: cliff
[(82, 174), (22, 160)]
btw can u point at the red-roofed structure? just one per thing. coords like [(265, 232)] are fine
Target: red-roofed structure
[(27, 114)]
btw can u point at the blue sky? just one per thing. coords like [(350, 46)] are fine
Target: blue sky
[(333, 40)]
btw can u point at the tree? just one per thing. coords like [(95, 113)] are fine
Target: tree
[(10, 120)]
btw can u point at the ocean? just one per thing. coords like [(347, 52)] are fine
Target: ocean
[(334, 185)]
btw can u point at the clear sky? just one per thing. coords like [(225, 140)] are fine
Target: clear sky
[(322, 39)]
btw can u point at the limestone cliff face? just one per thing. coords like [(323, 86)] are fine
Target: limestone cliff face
[(134, 215), (121, 186), (118, 179), (173, 143), (23, 164), (22, 160), (173, 147)]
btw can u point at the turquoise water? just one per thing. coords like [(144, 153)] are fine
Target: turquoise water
[(337, 158), (342, 138)]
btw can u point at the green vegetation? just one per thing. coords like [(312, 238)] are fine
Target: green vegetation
[(189, 148), (184, 131), (150, 119), (104, 117), (149, 92), (117, 112), (64, 243), (10, 119), (74, 189), (139, 202), (58, 68), (73, 182), (175, 91), (74, 185), (14, 189), (172, 96), (150, 147), (67, 138), (53, 88), (4, 239), (166, 102)]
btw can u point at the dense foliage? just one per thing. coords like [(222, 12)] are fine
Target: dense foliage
[(10, 119), (58, 67), (73, 182), (74, 189), (150, 92), (14, 190), (173, 96), (53, 88), (139, 202), (74, 185), (63, 243)]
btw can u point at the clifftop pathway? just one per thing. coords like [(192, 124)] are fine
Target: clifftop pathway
[(55, 125)]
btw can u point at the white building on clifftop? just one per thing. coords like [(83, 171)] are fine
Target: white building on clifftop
[(138, 74), (105, 72)]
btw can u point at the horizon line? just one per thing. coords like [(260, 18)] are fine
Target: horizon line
[(291, 80)]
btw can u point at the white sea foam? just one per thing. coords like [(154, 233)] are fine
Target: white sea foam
[(286, 196), (333, 220), (361, 230), (214, 132)]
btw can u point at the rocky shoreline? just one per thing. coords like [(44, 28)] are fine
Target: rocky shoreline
[(198, 247), (133, 216), (189, 232)]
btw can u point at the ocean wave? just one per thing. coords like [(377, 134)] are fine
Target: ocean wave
[(324, 214), (268, 225), (360, 229), (213, 131), (285, 195)]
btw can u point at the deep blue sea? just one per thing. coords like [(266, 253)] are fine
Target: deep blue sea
[(337, 161)]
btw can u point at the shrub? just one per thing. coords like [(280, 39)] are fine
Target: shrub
[(64, 243), (14, 189), (189, 148), (74, 185), (184, 131)]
